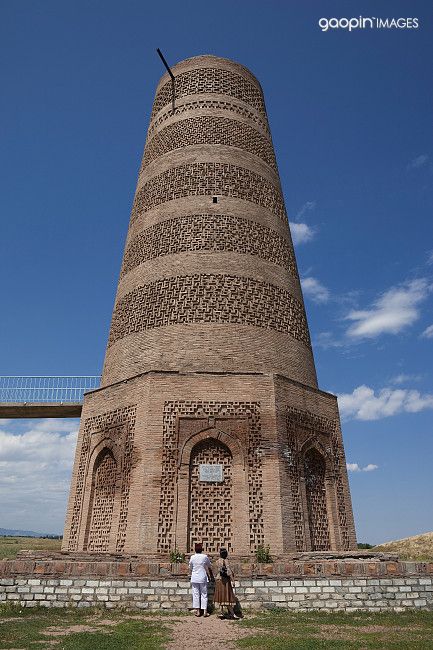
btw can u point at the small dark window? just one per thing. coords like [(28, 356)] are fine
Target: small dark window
[(215, 199)]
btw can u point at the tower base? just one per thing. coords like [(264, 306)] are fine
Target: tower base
[(242, 460)]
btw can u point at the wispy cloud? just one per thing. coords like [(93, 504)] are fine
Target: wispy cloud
[(301, 232), (430, 258), (327, 340), (35, 469), (392, 312), (307, 207), (315, 290), (354, 467), (419, 161), (402, 378), (428, 332), (364, 404)]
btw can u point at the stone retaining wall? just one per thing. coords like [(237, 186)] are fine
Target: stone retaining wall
[(372, 594)]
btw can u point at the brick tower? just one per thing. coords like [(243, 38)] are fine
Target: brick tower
[(209, 425)]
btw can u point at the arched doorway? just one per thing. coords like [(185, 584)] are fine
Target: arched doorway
[(314, 472), (101, 504), (210, 502)]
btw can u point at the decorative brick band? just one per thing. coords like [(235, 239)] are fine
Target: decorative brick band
[(213, 104), (206, 179), (209, 232), (210, 80), (209, 299), (306, 420), (207, 129)]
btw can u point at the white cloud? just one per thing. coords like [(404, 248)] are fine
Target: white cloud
[(418, 162), (354, 467), (430, 258), (428, 332), (314, 290), (301, 232), (394, 310), (364, 404), (370, 467), (35, 468)]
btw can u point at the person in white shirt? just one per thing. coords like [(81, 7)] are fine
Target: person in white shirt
[(200, 567)]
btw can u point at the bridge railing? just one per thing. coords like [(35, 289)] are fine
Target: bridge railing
[(39, 389)]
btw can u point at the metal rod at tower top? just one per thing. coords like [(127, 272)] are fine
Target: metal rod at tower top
[(169, 72)]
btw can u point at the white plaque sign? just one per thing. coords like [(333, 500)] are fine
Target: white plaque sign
[(211, 473)]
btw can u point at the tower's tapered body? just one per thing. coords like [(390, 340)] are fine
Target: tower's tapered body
[(209, 425)]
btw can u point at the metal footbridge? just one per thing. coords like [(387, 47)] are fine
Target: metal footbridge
[(44, 397)]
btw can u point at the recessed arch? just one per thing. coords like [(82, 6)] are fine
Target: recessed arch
[(315, 489), (217, 434), (210, 511), (101, 502)]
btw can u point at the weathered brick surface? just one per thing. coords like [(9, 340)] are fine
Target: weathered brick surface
[(225, 166)]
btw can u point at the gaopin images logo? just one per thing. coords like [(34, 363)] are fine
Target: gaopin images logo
[(372, 22)]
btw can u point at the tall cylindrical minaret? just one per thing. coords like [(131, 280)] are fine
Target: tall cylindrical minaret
[(209, 425), (209, 279)]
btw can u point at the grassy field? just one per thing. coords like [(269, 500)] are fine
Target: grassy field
[(280, 630), (418, 547), (9, 546), (75, 629), (72, 629)]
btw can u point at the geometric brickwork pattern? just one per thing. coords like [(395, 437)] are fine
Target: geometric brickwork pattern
[(210, 506), (119, 425), (306, 420), (213, 104), (232, 411), (294, 476), (126, 479), (102, 503), (207, 179), (301, 427), (339, 463), (209, 298), (314, 473), (209, 232), (209, 130), (210, 80)]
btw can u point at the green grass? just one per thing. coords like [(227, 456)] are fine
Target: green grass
[(282, 630), (32, 629), (9, 546)]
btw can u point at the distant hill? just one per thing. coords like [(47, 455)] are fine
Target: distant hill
[(418, 547), (23, 533)]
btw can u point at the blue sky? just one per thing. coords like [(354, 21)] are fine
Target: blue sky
[(351, 116)]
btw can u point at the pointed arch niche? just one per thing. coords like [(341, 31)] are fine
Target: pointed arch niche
[(210, 508), (317, 500), (102, 510), (213, 513)]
